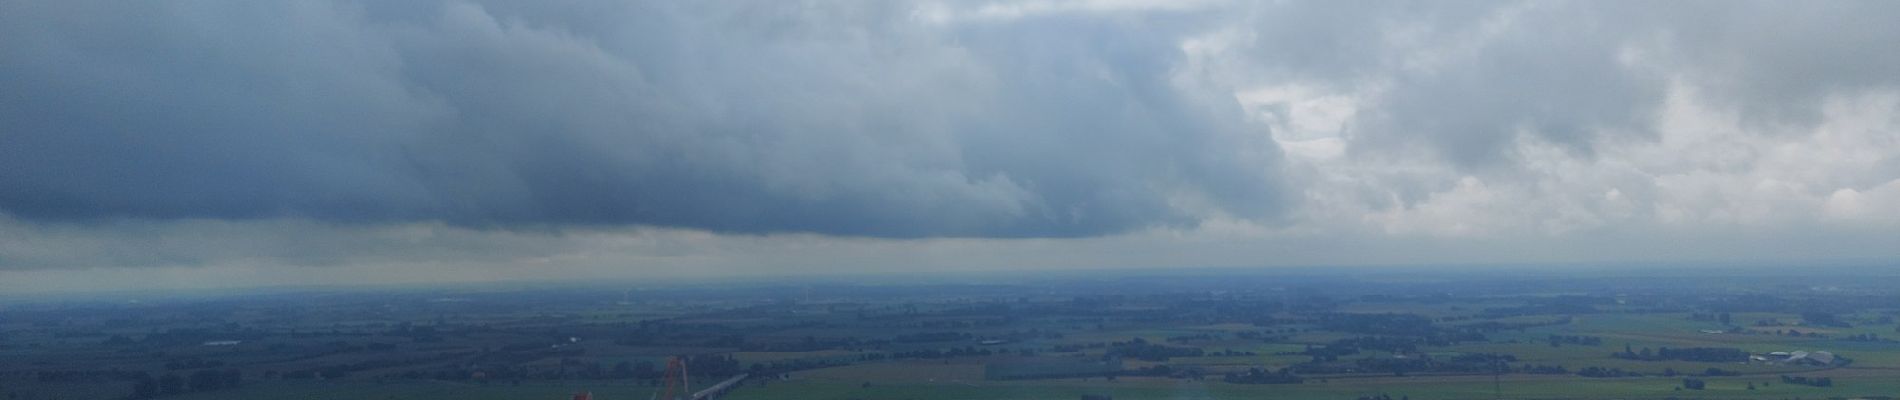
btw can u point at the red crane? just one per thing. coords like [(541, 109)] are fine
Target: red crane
[(675, 377)]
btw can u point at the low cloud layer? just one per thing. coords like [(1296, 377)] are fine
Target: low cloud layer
[(1215, 133), (846, 119)]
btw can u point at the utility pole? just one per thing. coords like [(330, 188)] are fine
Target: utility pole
[(1497, 373)]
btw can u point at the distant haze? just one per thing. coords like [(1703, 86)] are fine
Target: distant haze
[(229, 144)]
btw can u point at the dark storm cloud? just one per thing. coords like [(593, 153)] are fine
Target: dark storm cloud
[(896, 119), (551, 139), (736, 117)]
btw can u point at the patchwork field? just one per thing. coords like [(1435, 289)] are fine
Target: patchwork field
[(1240, 336)]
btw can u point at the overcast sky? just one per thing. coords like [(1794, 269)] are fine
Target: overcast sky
[(240, 143)]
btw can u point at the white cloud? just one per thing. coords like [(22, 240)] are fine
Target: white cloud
[(1003, 11)]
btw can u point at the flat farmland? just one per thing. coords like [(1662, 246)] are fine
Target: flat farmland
[(1240, 336)]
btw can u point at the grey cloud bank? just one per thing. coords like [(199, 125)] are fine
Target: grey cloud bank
[(763, 117), (1039, 133)]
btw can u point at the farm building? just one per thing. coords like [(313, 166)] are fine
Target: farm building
[(1803, 357)]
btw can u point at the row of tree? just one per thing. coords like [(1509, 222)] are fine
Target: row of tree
[(1701, 354), (1802, 380), (203, 380), (1258, 375)]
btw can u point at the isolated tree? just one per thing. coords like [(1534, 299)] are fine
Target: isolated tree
[(171, 384), (205, 380), (1693, 384), (231, 378), (145, 388)]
